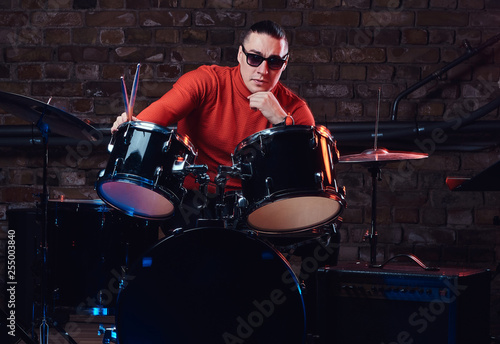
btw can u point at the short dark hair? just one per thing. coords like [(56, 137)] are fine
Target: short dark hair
[(267, 27)]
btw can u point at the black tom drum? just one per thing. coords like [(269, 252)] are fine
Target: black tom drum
[(288, 179), (146, 170), (211, 285)]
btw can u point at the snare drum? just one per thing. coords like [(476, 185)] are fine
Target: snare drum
[(288, 179), (211, 285), (145, 171)]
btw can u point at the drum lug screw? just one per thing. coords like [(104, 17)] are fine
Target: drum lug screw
[(269, 185), (166, 145), (118, 165), (158, 172), (318, 178)]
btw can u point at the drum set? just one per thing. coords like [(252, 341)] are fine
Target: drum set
[(223, 282)]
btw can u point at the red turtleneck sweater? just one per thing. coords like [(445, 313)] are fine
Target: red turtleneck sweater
[(211, 108)]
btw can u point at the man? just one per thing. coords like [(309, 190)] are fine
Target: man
[(217, 107)]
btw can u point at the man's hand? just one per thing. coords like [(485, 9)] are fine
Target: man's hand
[(267, 103), (119, 120)]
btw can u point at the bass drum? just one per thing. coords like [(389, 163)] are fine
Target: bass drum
[(211, 285)]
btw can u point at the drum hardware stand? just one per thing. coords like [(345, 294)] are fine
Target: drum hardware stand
[(223, 175), (372, 235), (44, 326)]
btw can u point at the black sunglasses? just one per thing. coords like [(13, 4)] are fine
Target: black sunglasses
[(274, 62)]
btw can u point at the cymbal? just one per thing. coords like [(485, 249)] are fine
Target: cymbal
[(58, 121), (381, 155)]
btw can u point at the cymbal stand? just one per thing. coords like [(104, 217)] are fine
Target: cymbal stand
[(44, 326), (372, 234)]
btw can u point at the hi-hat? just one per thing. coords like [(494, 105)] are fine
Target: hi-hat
[(58, 121), (381, 155)]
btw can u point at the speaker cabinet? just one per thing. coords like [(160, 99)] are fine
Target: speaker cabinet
[(401, 304)]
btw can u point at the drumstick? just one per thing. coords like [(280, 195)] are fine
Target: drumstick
[(133, 93), (124, 94)]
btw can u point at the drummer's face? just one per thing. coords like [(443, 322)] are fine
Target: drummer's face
[(261, 78)]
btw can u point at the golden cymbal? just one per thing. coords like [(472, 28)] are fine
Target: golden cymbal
[(381, 155)]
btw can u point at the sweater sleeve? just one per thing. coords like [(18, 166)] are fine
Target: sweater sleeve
[(186, 94)]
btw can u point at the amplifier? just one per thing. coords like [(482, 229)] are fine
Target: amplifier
[(402, 304)]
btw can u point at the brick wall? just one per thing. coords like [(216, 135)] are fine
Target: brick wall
[(342, 53)]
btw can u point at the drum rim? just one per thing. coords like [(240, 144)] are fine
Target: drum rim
[(184, 139), (319, 129)]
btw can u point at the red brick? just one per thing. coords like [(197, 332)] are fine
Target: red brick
[(245, 4), (449, 4), (167, 36), (169, 71), (192, 4), (429, 255), (486, 216), (328, 90), (87, 72), (145, 4), (196, 54), (57, 36), (81, 54), (414, 36), (387, 18), (363, 55), (219, 4), (413, 55), (349, 109), (57, 19), (390, 235), (326, 72), (323, 109), (348, 253), (112, 37), (299, 73), (441, 36), (488, 19), (431, 110), (57, 71), (424, 235), (60, 89), (35, 54), (30, 72), (360, 37), (361, 4), (471, 4), (380, 72), (334, 18), (14, 19), (138, 36), (433, 216), (275, 4), (85, 36), (111, 19), (309, 37), (351, 72), (82, 106), (442, 18), (301, 4), (329, 3), (405, 215), (460, 217), (311, 55)]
